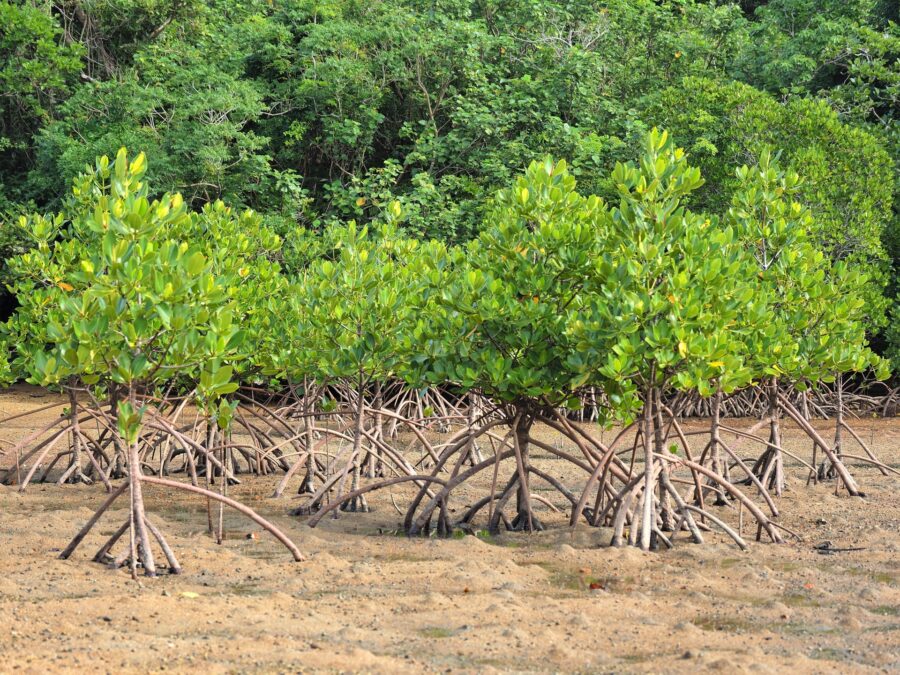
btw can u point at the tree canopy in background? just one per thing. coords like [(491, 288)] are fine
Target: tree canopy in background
[(319, 111)]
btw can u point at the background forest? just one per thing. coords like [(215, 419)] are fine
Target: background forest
[(313, 112)]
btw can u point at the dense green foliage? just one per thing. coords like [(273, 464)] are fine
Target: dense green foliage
[(121, 291), (500, 322), (313, 112), (671, 286), (560, 290)]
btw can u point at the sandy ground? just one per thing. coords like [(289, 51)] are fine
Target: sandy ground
[(368, 600)]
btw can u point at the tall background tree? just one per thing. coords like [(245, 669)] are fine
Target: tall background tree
[(312, 112)]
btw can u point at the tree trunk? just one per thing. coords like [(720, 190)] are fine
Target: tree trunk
[(718, 464), (837, 449), (359, 503), (118, 468), (770, 464), (648, 513), (659, 445), (374, 468), (804, 409), (138, 525), (308, 484), (473, 452), (74, 474), (525, 519)]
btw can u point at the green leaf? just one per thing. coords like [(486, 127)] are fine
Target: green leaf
[(196, 263)]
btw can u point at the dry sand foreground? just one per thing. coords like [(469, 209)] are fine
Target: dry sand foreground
[(368, 600)]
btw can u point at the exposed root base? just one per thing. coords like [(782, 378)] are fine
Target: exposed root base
[(520, 523), (307, 487), (117, 563), (356, 505)]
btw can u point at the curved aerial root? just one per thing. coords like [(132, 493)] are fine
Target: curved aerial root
[(237, 506), (140, 527), (642, 505)]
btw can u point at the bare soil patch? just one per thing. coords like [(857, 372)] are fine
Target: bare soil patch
[(369, 600)]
